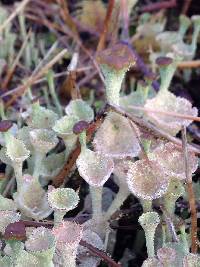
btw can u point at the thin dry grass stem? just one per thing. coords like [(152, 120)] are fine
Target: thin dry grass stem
[(149, 126), (158, 6), (102, 39), (20, 7), (191, 194), (125, 30), (57, 75), (64, 11), (16, 61), (170, 114), (46, 57), (66, 31), (60, 177), (189, 64), (21, 89)]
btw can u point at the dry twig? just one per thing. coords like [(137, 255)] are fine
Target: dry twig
[(100, 254), (166, 113), (101, 44), (21, 89), (186, 6), (159, 6), (150, 127), (20, 7), (191, 194)]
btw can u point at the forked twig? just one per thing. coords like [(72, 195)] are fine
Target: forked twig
[(191, 194)]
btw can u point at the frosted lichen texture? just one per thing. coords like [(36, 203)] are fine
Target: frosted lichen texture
[(94, 168), (168, 102), (117, 136), (146, 179)]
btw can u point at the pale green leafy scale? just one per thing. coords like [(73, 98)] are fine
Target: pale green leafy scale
[(80, 109), (41, 117)]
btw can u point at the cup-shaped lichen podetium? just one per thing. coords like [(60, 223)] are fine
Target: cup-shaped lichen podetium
[(191, 260), (116, 138), (68, 235), (171, 159), (61, 201), (31, 199), (64, 129), (167, 39), (94, 167), (167, 256), (114, 63), (146, 179), (187, 51), (149, 222), (43, 140), (17, 153), (42, 243), (168, 102), (152, 262)]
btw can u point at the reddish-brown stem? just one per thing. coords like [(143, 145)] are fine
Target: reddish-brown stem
[(191, 194), (101, 44), (186, 6), (159, 6), (100, 254)]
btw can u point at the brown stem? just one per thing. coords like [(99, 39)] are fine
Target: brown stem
[(186, 6), (101, 44), (100, 254), (191, 194), (158, 6)]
